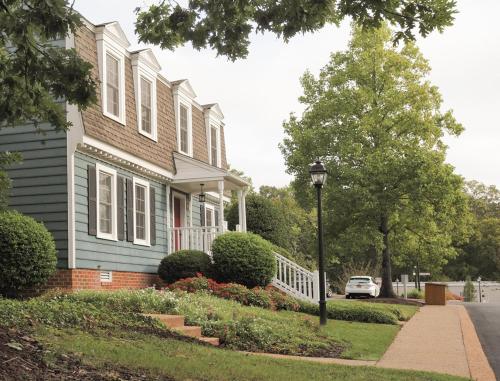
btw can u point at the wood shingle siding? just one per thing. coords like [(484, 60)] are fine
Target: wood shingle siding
[(95, 253), (39, 182)]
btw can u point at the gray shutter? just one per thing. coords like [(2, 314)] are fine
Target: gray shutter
[(216, 218), (130, 210), (202, 215), (152, 216), (92, 199), (120, 220)]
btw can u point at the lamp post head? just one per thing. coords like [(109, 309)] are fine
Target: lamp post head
[(318, 174), (201, 196)]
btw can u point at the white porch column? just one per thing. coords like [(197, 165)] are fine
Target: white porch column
[(240, 209), (244, 210), (167, 203), (190, 210), (221, 205)]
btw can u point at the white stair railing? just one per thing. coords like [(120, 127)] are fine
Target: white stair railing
[(296, 280), (192, 238)]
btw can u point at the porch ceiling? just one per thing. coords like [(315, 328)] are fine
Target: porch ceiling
[(190, 173)]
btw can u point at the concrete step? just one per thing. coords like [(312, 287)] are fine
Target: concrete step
[(210, 340), (190, 331), (171, 321)]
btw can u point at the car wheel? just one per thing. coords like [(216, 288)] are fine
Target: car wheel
[(347, 296)]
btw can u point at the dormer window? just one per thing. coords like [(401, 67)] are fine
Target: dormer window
[(213, 125), (214, 146), (112, 49), (183, 103), (146, 106), (184, 129), (145, 69), (112, 85)]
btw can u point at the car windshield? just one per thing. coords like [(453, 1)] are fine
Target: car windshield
[(358, 279)]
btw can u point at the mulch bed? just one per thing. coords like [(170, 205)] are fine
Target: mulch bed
[(22, 359)]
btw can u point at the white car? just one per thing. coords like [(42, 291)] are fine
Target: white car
[(361, 286)]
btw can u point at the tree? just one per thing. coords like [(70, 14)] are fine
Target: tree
[(375, 120), (226, 25), (34, 71)]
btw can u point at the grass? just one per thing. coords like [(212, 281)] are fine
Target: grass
[(186, 361)]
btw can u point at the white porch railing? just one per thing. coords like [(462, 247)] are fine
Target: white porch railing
[(296, 280), (192, 238)]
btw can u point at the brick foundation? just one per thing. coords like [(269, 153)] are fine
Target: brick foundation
[(77, 279)]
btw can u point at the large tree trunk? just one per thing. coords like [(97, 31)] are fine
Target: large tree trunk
[(386, 290)]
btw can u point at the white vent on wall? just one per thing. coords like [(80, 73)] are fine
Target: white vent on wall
[(106, 276)]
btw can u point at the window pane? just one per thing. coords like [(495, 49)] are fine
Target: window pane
[(112, 85), (105, 203), (184, 128), (140, 212), (209, 221), (213, 143), (145, 105)]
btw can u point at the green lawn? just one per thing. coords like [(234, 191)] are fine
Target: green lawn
[(186, 361)]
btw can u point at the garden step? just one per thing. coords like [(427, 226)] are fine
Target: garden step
[(171, 321), (210, 340), (192, 331)]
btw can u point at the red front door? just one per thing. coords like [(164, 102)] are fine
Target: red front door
[(177, 223)]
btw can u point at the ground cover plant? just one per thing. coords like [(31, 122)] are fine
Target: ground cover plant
[(184, 264)]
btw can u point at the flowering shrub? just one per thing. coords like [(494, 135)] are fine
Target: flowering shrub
[(268, 298)]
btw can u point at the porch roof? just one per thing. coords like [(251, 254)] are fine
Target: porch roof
[(190, 173)]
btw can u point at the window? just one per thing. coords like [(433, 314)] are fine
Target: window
[(214, 146), (184, 129), (106, 202), (146, 114), (141, 212), (209, 217), (112, 85)]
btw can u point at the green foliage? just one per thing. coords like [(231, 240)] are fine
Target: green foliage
[(226, 26), (129, 301), (416, 294), (27, 253), (469, 291), (184, 264), (243, 258), (377, 123), (34, 72), (6, 159)]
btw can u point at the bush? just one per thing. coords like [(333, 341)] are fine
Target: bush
[(27, 253), (243, 258), (469, 290), (416, 294), (283, 301), (184, 264), (192, 284)]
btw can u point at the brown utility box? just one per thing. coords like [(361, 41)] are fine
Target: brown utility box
[(435, 294)]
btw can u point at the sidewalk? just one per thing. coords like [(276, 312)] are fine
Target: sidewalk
[(439, 339)]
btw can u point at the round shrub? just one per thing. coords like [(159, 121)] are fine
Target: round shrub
[(27, 253), (243, 258), (184, 264)]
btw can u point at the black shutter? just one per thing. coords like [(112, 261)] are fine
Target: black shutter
[(92, 199), (202, 215), (216, 213), (120, 220), (130, 210), (152, 216)]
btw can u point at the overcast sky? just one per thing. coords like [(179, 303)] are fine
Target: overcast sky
[(257, 94)]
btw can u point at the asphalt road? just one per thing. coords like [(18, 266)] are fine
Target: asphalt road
[(486, 319)]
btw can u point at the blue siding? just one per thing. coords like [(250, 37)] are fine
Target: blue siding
[(94, 253), (39, 182)]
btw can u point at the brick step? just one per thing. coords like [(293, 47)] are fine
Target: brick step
[(171, 321), (176, 322), (210, 340)]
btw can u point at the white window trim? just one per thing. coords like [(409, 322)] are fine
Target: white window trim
[(105, 46), (189, 126), (113, 236), (145, 184), (219, 156), (141, 70)]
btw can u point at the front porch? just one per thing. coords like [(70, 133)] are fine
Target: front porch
[(193, 224)]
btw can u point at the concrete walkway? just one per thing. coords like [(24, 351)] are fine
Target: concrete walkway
[(438, 339)]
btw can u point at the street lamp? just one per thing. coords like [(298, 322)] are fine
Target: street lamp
[(201, 196), (480, 295), (318, 178)]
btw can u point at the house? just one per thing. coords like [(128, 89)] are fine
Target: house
[(120, 190)]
